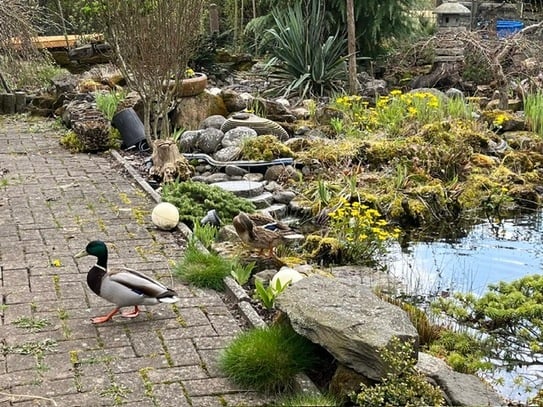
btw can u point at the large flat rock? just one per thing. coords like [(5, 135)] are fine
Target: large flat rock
[(347, 319)]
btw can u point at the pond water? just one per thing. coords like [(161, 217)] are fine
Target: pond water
[(488, 253)]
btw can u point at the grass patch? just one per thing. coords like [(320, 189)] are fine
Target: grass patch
[(31, 323), (267, 359), (307, 400), (205, 270)]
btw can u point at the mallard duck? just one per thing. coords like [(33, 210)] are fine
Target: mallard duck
[(123, 287), (267, 221), (260, 236)]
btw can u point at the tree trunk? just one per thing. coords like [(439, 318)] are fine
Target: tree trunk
[(351, 47), (168, 163)]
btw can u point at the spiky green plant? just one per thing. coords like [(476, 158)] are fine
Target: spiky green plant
[(533, 109), (108, 102), (305, 56), (206, 234), (267, 359)]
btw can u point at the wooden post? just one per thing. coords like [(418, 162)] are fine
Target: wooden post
[(9, 103), (213, 18), (2, 110), (20, 102)]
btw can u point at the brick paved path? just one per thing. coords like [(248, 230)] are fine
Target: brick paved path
[(52, 203)]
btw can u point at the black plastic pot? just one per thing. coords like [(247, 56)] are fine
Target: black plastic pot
[(131, 128)]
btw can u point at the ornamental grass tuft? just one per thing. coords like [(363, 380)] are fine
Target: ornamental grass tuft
[(267, 359), (201, 269), (307, 400)]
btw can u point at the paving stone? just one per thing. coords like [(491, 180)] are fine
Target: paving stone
[(213, 386), (170, 395)]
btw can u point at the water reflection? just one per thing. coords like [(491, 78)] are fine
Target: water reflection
[(488, 253)]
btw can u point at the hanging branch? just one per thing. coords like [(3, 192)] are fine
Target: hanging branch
[(16, 34)]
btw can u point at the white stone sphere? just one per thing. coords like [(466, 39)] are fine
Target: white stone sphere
[(286, 276), (165, 216)]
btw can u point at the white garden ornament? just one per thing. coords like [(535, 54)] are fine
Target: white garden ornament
[(165, 216)]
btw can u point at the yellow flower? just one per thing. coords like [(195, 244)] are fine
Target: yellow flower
[(56, 263)]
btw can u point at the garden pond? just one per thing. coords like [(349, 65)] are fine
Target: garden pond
[(489, 252)]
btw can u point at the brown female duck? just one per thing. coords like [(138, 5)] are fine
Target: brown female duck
[(260, 231)]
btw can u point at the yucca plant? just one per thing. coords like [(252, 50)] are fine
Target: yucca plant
[(304, 57)]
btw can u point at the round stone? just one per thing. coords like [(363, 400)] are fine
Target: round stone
[(165, 216)]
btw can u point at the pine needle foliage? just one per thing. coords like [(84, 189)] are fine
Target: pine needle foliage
[(510, 314)]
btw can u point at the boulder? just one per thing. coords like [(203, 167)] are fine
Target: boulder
[(191, 111), (227, 154), (348, 320), (209, 140), (236, 136), (187, 141), (233, 101), (461, 389), (215, 121)]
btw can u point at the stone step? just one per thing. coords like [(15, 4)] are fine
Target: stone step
[(242, 188), (277, 210), (262, 201)]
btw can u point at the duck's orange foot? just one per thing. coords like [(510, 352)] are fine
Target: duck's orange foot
[(132, 314), (105, 318)]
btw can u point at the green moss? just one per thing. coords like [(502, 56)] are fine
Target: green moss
[(71, 142), (266, 147), (331, 152), (322, 249)]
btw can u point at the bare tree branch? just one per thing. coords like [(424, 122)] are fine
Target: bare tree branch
[(153, 41)]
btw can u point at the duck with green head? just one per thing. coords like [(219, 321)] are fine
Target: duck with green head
[(123, 287)]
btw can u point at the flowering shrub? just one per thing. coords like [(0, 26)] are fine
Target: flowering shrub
[(361, 231)]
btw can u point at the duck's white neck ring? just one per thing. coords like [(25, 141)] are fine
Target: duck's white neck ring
[(100, 267)]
